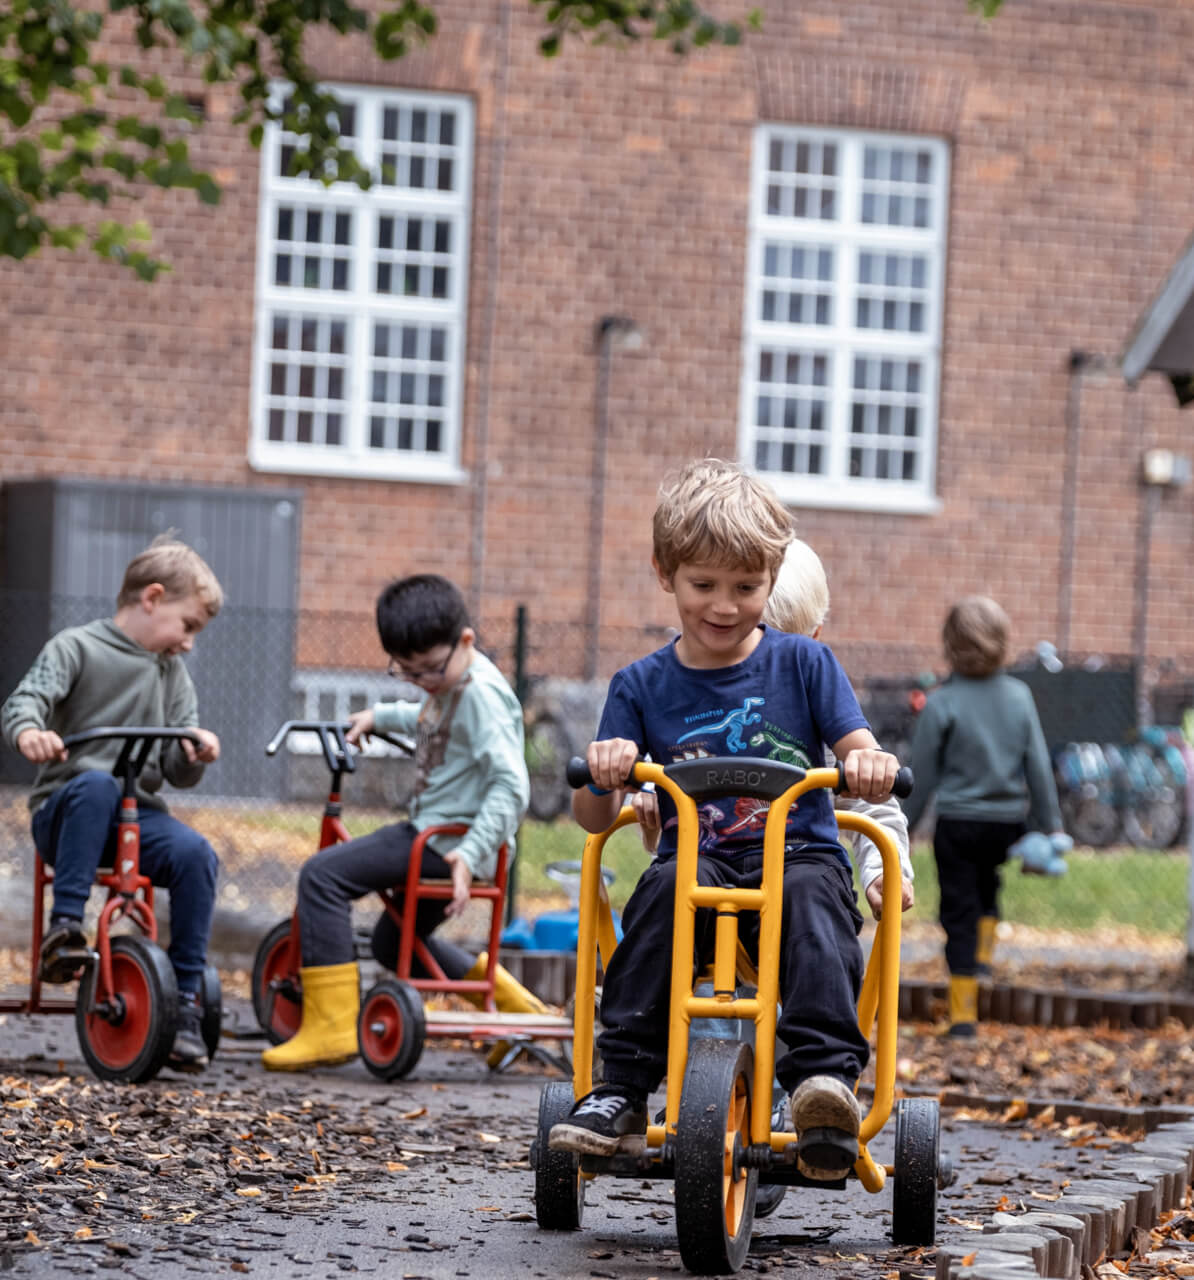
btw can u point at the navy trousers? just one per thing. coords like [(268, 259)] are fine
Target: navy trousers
[(969, 854), (75, 833), (819, 980)]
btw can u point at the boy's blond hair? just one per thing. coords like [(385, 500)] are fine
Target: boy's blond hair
[(714, 513), (799, 600), (976, 635), (179, 568)]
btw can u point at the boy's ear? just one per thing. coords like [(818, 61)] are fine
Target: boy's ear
[(468, 637), (151, 596), (665, 579)]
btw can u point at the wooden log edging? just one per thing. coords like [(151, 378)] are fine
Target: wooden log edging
[(1094, 1219)]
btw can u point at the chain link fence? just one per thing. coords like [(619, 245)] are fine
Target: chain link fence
[(256, 668)]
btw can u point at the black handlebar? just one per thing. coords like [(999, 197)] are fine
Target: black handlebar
[(578, 775), (338, 754), (139, 741)]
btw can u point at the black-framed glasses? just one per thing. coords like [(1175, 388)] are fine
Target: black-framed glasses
[(401, 672)]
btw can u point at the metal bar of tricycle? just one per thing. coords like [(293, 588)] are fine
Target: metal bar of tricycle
[(887, 982), (592, 897), (683, 932)]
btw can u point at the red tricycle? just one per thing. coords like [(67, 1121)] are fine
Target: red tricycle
[(126, 1006), (393, 1025)]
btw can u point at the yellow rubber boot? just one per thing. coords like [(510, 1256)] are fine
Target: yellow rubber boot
[(984, 952), (963, 1007), (328, 1033)]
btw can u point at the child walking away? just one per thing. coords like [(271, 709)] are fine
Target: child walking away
[(719, 538), (978, 744), (124, 670), (469, 768)]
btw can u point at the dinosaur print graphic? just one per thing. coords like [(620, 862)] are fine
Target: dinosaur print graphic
[(784, 752), (733, 724)]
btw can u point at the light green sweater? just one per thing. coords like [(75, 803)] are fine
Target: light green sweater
[(482, 778), (978, 744), (95, 675)]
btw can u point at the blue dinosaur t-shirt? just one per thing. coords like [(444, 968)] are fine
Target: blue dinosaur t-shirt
[(783, 702)]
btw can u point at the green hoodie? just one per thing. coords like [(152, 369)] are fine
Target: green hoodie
[(95, 675)]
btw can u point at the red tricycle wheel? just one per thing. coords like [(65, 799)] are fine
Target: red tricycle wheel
[(131, 1040), (277, 990), (391, 1029)]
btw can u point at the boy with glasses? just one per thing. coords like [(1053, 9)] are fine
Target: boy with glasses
[(469, 768)]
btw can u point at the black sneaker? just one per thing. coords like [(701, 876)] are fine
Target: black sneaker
[(189, 1052), (602, 1123), (61, 955)]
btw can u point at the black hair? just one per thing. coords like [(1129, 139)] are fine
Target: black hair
[(418, 613)]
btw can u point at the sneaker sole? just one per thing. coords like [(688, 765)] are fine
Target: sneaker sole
[(826, 1154), (827, 1112), (584, 1142)]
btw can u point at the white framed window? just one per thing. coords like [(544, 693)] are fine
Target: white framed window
[(842, 332), (361, 296)]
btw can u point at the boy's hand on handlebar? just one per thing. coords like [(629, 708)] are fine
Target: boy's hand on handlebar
[(610, 762), (870, 773), (646, 809), (462, 880), (361, 726), (208, 750), (874, 895), (39, 746)]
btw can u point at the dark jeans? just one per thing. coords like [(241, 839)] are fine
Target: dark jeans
[(969, 854), (75, 833), (819, 979), (336, 876)]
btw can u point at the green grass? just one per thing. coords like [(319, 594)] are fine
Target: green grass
[(1137, 888)]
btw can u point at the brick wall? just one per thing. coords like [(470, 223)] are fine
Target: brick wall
[(617, 182)]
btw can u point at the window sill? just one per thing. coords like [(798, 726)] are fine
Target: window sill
[(831, 496), (324, 462)]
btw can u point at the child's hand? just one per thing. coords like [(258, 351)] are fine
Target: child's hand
[(646, 809), (874, 895), (206, 752), (462, 879), (360, 726), (870, 773), (610, 762), (40, 745)]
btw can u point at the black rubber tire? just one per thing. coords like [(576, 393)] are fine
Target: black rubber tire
[(559, 1188), (914, 1185), (132, 1047), (278, 1015), (715, 1195), (391, 1029), (211, 996), (1090, 818), (1154, 820), (548, 750)]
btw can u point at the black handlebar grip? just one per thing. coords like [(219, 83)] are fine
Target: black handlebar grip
[(901, 787), (577, 773)]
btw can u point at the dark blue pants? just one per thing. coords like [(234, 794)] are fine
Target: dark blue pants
[(335, 877), (819, 979), (75, 833), (969, 854)]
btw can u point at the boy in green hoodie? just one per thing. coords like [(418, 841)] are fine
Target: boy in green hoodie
[(124, 670)]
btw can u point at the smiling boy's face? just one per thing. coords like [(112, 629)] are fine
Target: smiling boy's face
[(720, 610), (163, 624)]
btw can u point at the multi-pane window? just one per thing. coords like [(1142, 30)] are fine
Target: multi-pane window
[(361, 295), (843, 316)]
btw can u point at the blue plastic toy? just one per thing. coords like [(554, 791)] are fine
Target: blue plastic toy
[(1041, 854)]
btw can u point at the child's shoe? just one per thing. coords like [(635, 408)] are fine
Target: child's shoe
[(189, 1052), (610, 1119), (826, 1115), (59, 959)]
